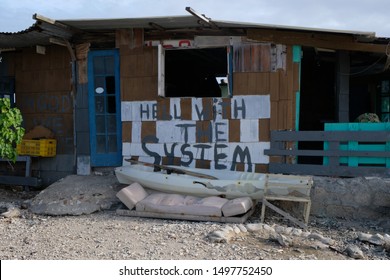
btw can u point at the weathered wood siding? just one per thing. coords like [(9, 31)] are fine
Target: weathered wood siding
[(43, 92)]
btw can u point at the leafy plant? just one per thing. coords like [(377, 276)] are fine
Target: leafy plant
[(11, 131)]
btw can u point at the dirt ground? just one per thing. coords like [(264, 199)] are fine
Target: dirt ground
[(105, 235)]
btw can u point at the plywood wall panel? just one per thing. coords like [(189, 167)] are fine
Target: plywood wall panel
[(252, 82), (296, 76), (264, 130), (147, 129), (186, 105), (263, 83), (274, 116), (283, 85), (265, 58), (126, 131), (240, 83), (234, 130), (274, 86), (261, 168), (163, 109)]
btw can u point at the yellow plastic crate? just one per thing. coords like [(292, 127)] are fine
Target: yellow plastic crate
[(39, 148)]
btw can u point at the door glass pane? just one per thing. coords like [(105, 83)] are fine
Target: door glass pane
[(110, 65), (99, 83), (100, 124), (99, 104), (111, 105), (98, 65), (111, 124), (112, 146), (100, 144), (110, 84)]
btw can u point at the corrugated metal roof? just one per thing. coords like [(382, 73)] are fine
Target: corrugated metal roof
[(38, 34), (179, 22), (174, 22), (42, 31)]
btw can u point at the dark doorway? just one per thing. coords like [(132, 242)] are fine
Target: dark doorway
[(318, 98)]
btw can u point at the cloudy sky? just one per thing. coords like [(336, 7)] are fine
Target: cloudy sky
[(356, 15)]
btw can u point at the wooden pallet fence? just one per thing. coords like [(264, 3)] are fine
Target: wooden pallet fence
[(334, 151)]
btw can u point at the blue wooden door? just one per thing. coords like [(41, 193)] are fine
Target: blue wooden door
[(104, 108)]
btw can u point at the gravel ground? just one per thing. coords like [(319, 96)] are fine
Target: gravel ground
[(106, 235)]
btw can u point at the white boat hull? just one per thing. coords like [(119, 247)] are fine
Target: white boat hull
[(230, 184)]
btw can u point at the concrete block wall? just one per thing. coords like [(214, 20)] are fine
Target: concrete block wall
[(351, 198)]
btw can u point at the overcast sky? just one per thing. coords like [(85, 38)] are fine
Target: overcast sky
[(355, 15)]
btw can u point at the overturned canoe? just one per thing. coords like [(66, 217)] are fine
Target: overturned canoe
[(206, 182)]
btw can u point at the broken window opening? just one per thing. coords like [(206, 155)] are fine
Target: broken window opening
[(201, 72)]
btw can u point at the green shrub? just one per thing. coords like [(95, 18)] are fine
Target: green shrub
[(11, 130)]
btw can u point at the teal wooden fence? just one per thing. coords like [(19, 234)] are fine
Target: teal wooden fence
[(285, 150), (360, 146)]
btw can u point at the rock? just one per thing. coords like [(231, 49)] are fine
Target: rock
[(354, 251), (221, 236), (254, 227), (386, 237), (76, 195), (242, 228), (296, 232), (319, 237), (218, 236), (283, 240), (318, 245), (376, 239), (364, 236), (269, 229), (12, 213), (236, 230)]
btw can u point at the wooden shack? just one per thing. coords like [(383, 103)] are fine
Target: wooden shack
[(190, 90)]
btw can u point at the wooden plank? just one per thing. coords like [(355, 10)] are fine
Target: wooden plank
[(290, 73), (186, 108), (282, 115), (154, 215), (284, 214), (163, 109), (338, 136), (274, 116), (324, 170), (265, 58), (264, 130), (274, 86), (234, 130), (315, 39), (283, 85), (21, 181), (296, 77), (147, 129), (240, 83), (252, 83), (262, 83), (327, 153), (126, 131), (255, 57)]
